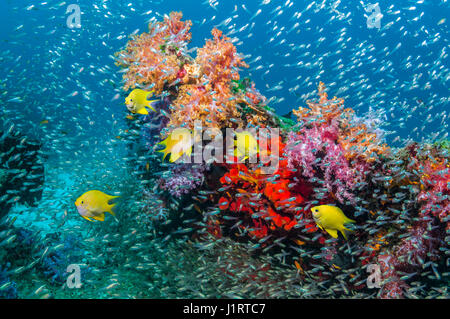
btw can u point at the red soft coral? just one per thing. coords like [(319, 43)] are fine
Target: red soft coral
[(267, 203)]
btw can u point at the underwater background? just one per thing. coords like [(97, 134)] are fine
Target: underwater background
[(225, 231)]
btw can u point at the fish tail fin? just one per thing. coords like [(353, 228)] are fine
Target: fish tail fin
[(344, 230), (110, 197), (165, 153), (110, 210), (149, 105), (344, 234)]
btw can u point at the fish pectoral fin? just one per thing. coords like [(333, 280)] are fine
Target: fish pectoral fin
[(332, 232), (100, 217)]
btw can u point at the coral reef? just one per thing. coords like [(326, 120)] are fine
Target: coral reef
[(399, 198), (8, 288), (54, 264), (318, 155), (265, 203), (354, 137), (153, 57), (435, 190), (407, 259), (183, 179)]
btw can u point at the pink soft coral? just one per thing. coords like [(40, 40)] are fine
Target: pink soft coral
[(183, 179), (408, 257), (317, 155), (357, 140), (435, 194)]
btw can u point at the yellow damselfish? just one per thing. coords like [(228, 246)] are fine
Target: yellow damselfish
[(246, 145), (178, 142), (137, 102), (331, 219), (93, 204)]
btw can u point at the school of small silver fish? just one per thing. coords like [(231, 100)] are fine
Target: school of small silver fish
[(62, 96)]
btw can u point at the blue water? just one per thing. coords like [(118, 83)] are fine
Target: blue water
[(61, 87), (53, 60)]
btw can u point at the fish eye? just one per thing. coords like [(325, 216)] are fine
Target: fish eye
[(82, 202)]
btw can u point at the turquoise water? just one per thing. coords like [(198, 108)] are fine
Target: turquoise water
[(66, 130)]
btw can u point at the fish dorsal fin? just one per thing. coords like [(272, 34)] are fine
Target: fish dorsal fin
[(149, 94), (332, 232)]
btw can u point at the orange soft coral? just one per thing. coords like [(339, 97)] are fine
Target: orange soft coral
[(153, 58), (219, 60), (212, 108), (357, 142), (206, 95), (323, 111)]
